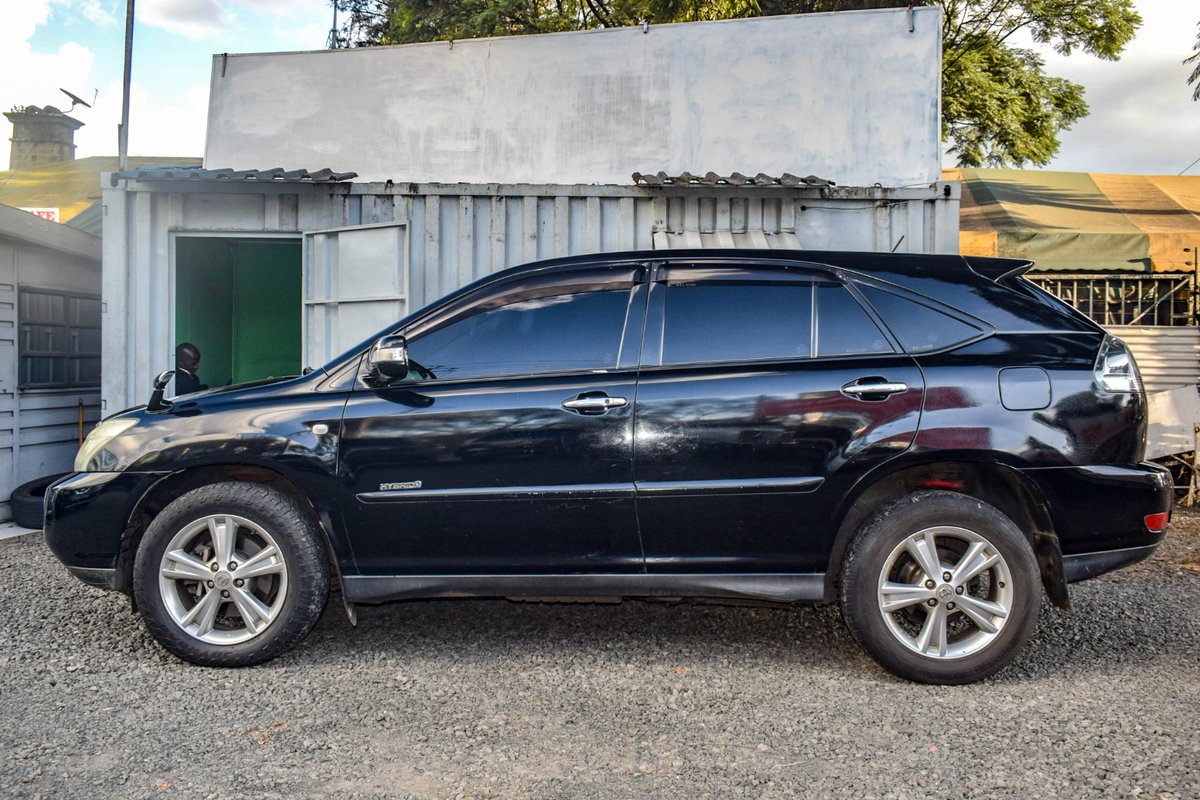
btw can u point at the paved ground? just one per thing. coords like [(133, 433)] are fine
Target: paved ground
[(9, 530), (494, 699)]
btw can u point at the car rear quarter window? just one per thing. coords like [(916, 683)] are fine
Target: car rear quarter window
[(919, 327), (843, 327), (737, 321)]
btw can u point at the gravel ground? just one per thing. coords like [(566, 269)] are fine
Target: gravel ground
[(494, 699)]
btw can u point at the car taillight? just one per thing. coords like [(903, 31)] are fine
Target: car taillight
[(1115, 369), (1157, 523)]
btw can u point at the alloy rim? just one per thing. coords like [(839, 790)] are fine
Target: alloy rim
[(945, 592), (223, 579)]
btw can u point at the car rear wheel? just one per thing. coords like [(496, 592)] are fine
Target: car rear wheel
[(941, 588), (231, 574)]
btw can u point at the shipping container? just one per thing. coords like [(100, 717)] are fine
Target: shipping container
[(358, 256)]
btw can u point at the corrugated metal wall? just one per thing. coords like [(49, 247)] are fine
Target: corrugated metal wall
[(8, 375), (461, 233), (1166, 356), (39, 428), (454, 234)]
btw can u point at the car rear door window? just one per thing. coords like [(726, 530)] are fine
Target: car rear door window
[(728, 320), (843, 327), (919, 327)]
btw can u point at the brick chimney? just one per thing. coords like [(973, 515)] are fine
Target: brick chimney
[(41, 136)]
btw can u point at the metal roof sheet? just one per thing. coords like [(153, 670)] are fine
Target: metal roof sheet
[(273, 175), (734, 179), (90, 220), (1166, 356)]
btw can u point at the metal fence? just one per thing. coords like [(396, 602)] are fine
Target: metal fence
[(1167, 299)]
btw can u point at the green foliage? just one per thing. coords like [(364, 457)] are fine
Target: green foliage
[(404, 21), (998, 106)]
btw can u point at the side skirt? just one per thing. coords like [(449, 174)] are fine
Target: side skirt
[(806, 587), (1083, 566)]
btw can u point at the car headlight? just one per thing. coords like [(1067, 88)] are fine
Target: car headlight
[(92, 456)]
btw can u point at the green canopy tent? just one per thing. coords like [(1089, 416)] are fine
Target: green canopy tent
[(1079, 221)]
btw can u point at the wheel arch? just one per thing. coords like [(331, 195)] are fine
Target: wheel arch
[(999, 485), (178, 483)]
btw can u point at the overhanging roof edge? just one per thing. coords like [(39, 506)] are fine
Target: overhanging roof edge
[(273, 175)]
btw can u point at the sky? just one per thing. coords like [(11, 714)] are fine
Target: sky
[(78, 45), (1142, 117)]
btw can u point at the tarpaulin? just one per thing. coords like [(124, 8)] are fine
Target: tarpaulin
[(1079, 220)]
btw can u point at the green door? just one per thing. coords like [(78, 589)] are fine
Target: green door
[(238, 301), (266, 310)]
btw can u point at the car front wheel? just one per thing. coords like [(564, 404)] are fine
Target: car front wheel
[(231, 574), (941, 588)]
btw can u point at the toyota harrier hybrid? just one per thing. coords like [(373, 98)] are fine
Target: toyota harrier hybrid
[(930, 441)]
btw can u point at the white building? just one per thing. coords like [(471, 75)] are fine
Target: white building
[(484, 154)]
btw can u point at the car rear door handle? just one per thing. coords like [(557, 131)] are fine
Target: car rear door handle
[(873, 387), (593, 403)]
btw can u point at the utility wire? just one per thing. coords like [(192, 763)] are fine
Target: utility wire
[(1189, 166)]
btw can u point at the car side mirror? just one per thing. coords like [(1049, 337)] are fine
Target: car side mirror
[(389, 356), (156, 396)]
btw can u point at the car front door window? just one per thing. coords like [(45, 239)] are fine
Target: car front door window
[(544, 334)]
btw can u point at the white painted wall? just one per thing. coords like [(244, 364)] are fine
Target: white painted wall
[(852, 96)]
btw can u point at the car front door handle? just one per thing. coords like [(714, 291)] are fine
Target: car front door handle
[(593, 404), (880, 388)]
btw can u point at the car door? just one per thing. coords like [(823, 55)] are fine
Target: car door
[(508, 449), (764, 393)]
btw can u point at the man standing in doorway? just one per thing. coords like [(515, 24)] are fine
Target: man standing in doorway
[(187, 361)]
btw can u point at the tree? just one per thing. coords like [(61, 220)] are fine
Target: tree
[(1194, 58), (998, 105), (999, 108), (372, 22)]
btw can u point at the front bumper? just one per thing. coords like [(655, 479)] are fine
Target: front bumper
[(1099, 513), (87, 514)]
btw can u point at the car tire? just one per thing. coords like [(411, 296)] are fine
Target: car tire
[(963, 623), (28, 502), (192, 597)]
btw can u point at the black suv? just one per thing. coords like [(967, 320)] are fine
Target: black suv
[(928, 440)]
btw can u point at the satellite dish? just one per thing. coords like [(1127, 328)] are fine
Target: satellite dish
[(75, 101)]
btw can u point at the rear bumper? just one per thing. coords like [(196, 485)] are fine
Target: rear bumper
[(1099, 513), (86, 515)]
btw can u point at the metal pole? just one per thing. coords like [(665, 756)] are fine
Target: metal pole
[(123, 128), (1195, 309), (331, 41)]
